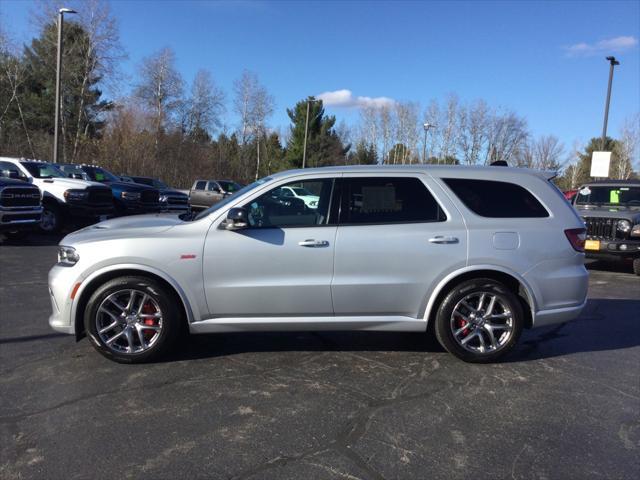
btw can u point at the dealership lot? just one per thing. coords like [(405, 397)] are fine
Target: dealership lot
[(566, 404)]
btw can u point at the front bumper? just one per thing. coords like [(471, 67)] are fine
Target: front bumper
[(62, 279), (19, 218), (86, 210), (618, 248)]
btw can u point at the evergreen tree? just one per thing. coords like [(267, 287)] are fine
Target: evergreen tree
[(323, 144)]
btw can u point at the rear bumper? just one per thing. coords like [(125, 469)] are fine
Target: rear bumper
[(544, 318)]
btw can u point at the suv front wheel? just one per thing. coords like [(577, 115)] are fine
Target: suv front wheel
[(132, 319), (479, 320)]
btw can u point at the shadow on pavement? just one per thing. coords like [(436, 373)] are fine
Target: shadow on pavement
[(605, 324)]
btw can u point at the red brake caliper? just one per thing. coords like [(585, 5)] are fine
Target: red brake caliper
[(461, 323), (149, 309)]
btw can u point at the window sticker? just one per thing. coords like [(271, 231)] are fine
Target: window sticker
[(99, 177), (585, 191), (614, 196), (379, 199)]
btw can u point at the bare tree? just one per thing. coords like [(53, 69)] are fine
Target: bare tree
[(160, 88), (629, 148), (507, 133), (547, 153), (472, 131), (449, 128), (385, 122), (252, 103), (205, 106)]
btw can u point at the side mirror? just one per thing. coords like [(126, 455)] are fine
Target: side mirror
[(237, 219)]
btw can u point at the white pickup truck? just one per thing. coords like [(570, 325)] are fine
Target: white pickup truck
[(63, 199)]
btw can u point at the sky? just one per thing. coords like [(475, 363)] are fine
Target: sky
[(544, 60)]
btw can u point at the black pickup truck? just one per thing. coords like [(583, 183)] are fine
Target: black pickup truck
[(611, 213), (129, 198), (20, 207)]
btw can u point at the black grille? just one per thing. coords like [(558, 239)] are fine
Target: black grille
[(150, 196), (602, 228), (177, 200), (20, 197), (100, 196)]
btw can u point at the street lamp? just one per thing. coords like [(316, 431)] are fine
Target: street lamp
[(306, 131), (61, 13), (426, 127), (612, 62)]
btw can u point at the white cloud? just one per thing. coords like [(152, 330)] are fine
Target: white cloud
[(609, 45), (344, 98)]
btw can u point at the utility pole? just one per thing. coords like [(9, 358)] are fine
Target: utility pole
[(612, 63), (426, 127), (306, 132), (61, 13)]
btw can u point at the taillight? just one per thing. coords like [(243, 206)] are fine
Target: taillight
[(576, 237)]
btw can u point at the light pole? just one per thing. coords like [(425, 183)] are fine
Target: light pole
[(61, 13), (612, 62), (426, 127), (306, 132)]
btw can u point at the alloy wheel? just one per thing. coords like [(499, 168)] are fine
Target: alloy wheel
[(482, 322), (129, 321)]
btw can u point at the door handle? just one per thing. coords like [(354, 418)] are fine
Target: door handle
[(443, 240), (313, 243)]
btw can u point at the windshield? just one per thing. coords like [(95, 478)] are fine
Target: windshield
[(100, 174), (230, 198), (610, 195), (229, 187), (43, 170)]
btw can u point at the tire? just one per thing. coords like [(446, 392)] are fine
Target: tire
[(466, 327), (51, 219), (636, 266), (149, 338)]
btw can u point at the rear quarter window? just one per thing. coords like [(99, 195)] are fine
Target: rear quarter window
[(490, 198)]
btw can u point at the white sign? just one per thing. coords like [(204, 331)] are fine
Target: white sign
[(600, 164)]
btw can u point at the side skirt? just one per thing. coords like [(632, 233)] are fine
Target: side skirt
[(283, 324)]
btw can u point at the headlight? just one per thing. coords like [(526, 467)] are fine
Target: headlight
[(72, 195), (67, 256), (635, 231), (623, 226), (163, 199), (130, 195)]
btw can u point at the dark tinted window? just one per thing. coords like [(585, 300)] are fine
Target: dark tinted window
[(489, 198), (200, 185), (387, 200)]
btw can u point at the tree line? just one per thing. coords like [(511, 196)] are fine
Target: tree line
[(167, 128)]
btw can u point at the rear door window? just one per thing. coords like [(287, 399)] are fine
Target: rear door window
[(489, 198), (200, 185), (385, 200)]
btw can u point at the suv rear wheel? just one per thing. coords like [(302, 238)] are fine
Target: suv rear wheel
[(479, 320), (132, 319)]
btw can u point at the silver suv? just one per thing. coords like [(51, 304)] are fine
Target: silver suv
[(473, 254)]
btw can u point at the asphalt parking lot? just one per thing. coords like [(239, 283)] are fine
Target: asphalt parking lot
[(565, 405)]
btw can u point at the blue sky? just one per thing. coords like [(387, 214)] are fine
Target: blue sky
[(543, 59)]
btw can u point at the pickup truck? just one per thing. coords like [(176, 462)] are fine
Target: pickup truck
[(64, 200), (129, 198), (205, 193), (20, 207), (171, 200)]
